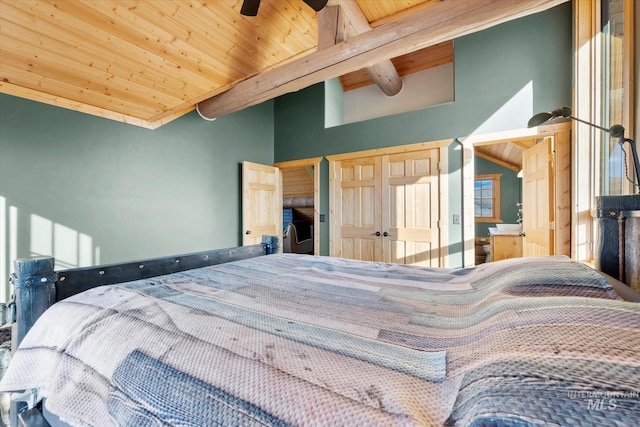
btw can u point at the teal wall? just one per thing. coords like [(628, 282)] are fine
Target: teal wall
[(127, 192), (502, 76), (510, 194), (97, 190)]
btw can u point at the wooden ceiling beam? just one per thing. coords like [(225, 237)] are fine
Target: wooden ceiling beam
[(524, 144), (384, 73), (331, 27), (443, 21), (515, 168)]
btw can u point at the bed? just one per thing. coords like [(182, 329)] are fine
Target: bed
[(288, 339)]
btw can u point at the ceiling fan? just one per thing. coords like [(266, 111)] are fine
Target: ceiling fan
[(250, 7)]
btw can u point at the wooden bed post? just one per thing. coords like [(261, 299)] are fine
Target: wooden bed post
[(34, 290)]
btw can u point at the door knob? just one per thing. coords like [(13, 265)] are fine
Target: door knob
[(385, 234), (377, 233), (247, 232)]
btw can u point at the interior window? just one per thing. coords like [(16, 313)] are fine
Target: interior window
[(487, 198)]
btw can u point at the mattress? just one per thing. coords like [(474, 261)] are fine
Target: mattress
[(291, 339)]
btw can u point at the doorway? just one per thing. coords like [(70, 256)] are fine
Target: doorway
[(498, 199), (301, 201), (506, 149)]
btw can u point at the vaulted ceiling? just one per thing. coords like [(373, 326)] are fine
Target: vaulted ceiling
[(507, 154), (147, 62)]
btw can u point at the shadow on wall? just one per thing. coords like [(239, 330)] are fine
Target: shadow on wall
[(44, 237), (89, 190)]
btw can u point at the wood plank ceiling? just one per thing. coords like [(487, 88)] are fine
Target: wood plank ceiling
[(146, 62), (507, 154)]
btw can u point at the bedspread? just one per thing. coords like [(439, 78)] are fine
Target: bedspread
[(299, 340)]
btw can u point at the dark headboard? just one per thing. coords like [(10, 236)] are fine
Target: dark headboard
[(37, 286)]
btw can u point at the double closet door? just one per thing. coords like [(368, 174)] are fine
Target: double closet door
[(386, 208)]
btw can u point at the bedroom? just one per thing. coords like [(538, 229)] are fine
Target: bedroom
[(111, 175), (133, 193), (90, 190)]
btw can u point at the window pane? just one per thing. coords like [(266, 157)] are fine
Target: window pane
[(614, 40), (484, 193)]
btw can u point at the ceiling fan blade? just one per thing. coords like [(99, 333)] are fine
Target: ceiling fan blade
[(250, 7), (316, 5)]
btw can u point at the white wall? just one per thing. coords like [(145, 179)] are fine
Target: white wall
[(426, 88)]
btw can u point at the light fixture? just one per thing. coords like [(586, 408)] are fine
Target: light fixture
[(250, 7), (615, 131)]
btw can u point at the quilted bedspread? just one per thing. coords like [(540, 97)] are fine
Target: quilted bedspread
[(300, 340)]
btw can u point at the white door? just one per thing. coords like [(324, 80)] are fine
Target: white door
[(261, 202)]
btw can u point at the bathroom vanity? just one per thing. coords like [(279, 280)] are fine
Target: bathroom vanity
[(505, 246), (506, 241)]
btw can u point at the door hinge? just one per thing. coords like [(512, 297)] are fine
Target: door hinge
[(552, 225)]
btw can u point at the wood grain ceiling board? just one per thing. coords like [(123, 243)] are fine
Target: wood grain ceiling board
[(505, 153), (147, 62), (419, 60), (139, 61), (380, 12)]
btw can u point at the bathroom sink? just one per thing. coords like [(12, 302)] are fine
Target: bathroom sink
[(509, 228)]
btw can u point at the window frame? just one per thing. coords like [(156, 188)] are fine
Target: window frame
[(615, 63), (495, 178), (587, 160)]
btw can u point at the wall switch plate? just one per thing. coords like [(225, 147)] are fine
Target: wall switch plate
[(456, 218), (321, 217)]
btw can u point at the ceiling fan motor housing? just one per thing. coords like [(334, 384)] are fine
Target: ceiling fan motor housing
[(250, 7)]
